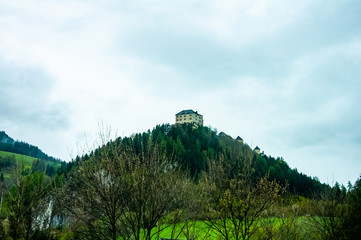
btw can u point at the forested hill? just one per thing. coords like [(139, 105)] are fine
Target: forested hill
[(175, 182), (197, 149), (10, 145)]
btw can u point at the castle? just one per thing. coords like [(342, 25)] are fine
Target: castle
[(189, 116), (193, 117)]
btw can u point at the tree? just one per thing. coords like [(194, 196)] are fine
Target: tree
[(93, 196), (239, 208), (123, 192), (329, 214), (353, 222), (23, 201), (235, 205), (157, 189)]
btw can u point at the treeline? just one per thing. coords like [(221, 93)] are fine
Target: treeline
[(177, 182), (9, 145), (196, 148)]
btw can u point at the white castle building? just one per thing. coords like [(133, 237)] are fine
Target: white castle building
[(189, 116)]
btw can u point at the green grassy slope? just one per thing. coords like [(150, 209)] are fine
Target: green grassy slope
[(24, 160), (19, 157)]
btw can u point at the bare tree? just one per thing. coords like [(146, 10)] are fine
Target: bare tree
[(94, 195), (235, 205), (237, 213), (329, 213), (121, 193)]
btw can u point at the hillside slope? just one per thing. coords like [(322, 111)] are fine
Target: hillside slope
[(17, 154), (10, 161), (197, 149), (8, 144)]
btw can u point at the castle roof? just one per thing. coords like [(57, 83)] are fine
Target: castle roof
[(222, 134), (239, 138), (257, 148), (190, 111)]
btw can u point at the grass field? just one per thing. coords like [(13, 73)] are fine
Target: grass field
[(28, 161), (24, 160), (200, 230), (194, 230)]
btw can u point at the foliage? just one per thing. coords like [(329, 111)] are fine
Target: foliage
[(196, 149), (235, 206), (353, 221), (175, 181), (329, 211), (10, 161), (123, 192), (23, 202)]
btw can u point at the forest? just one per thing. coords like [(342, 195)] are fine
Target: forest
[(176, 182)]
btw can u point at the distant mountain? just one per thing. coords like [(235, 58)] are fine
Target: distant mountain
[(8, 144)]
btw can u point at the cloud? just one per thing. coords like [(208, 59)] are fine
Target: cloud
[(316, 114), (283, 75), (27, 110), (25, 99)]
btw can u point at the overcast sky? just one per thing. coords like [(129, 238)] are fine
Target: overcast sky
[(284, 75)]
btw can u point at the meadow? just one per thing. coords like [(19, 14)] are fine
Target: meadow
[(22, 161)]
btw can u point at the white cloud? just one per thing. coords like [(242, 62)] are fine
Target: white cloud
[(240, 23)]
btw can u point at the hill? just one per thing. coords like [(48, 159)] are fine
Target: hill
[(17, 157), (8, 144), (15, 153), (9, 161), (173, 182), (196, 149)]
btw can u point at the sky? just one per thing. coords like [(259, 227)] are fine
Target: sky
[(283, 75)]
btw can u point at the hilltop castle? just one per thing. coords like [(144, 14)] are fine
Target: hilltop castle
[(189, 116), (193, 117)]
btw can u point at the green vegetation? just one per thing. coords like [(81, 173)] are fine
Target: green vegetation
[(8, 144), (177, 182), (9, 161), (18, 157)]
